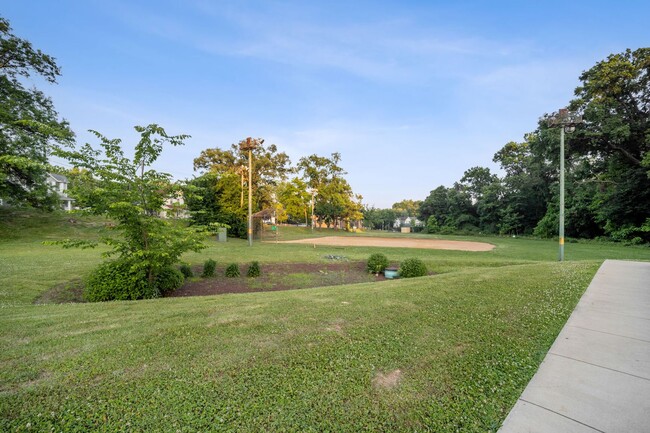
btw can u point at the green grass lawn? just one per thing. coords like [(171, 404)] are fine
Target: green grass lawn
[(450, 352)]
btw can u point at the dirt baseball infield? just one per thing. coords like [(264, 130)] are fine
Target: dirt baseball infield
[(362, 241)]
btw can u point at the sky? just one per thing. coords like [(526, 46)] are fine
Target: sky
[(410, 93)]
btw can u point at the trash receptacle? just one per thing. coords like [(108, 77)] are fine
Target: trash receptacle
[(222, 234)]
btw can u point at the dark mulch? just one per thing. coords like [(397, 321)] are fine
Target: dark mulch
[(279, 276)]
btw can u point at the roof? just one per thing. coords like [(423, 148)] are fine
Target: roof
[(59, 177), (265, 213)]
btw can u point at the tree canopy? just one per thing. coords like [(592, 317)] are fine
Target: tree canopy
[(607, 167), (30, 128), (270, 167)]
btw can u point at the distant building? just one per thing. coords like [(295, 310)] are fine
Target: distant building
[(174, 207), (59, 184), (407, 222)]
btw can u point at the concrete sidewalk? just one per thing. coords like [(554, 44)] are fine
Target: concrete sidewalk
[(596, 376)]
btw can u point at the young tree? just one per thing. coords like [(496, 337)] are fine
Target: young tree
[(132, 194), (29, 124)]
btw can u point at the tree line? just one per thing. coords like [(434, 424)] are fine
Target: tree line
[(316, 182), (607, 168)]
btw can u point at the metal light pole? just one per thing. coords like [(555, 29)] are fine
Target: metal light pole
[(248, 145), (567, 121)]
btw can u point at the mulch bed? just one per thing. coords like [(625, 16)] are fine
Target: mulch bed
[(274, 277), (278, 276)]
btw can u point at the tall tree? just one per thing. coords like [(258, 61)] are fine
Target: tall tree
[(320, 170), (475, 180), (335, 201), (270, 167), (407, 207), (215, 198), (379, 219), (525, 191), (614, 99), (29, 125), (295, 199)]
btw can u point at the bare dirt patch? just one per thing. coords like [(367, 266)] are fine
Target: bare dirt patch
[(71, 291), (388, 380), (366, 241)]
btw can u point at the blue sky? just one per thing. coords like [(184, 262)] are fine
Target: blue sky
[(411, 93)]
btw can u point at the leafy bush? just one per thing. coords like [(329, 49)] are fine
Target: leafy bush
[(186, 271), (377, 262), (254, 270), (208, 268), (432, 225), (117, 280), (412, 268), (169, 279), (232, 271)]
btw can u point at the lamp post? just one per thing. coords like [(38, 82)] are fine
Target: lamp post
[(567, 121), (248, 145), (313, 192)]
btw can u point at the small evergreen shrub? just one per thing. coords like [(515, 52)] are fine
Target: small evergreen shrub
[(377, 263), (208, 268), (254, 270), (412, 268), (232, 271), (169, 279), (116, 280), (186, 271)]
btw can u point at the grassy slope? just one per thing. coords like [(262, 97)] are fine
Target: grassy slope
[(465, 342)]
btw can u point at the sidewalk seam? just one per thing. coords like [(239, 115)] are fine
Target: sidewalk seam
[(608, 333), (599, 366), (562, 415)]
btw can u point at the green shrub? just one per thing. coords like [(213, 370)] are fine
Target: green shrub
[(254, 270), (208, 268), (432, 225), (377, 263), (186, 271), (117, 280), (169, 279), (232, 271), (412, 268)]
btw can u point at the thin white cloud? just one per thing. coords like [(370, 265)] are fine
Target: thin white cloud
[(398, 49)]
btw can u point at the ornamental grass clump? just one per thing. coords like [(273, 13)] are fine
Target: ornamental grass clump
[(232, 271), (377, 263), (254, 270), (208, 268), (411, 268)]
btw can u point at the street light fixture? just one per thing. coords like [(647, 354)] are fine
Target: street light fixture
[(248, 145), (567, 121)]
